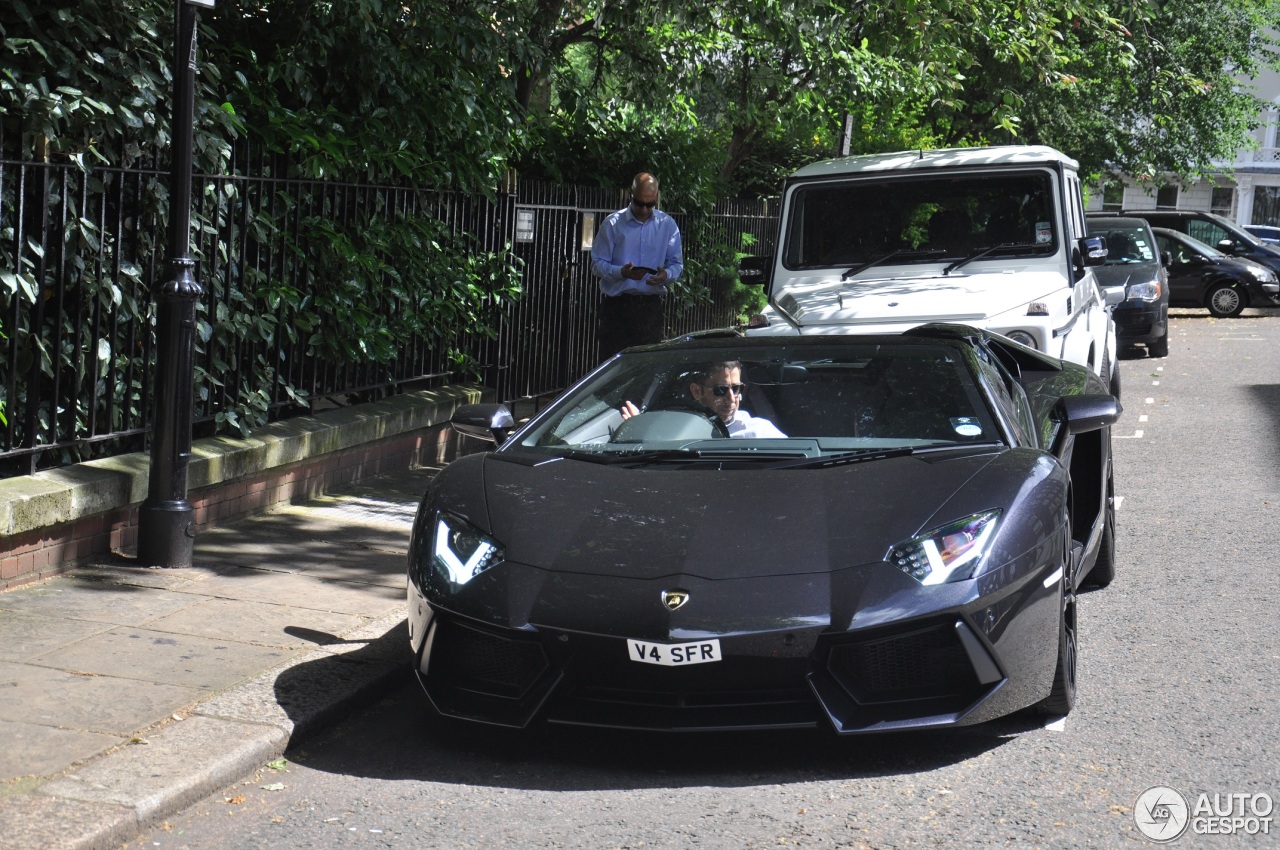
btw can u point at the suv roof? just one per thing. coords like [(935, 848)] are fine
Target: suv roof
[(942, 158)]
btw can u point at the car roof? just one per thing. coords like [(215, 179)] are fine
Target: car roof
[(919, 160), (1123, 220)]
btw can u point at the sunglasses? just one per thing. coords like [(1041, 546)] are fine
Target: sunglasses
[(722, 390), (648, 205)]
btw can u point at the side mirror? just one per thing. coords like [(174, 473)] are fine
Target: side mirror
[(1093, 249), (1113, 295), (491, 422), (1228, 246), (1084, 413), (756, 271), (1166, 259)]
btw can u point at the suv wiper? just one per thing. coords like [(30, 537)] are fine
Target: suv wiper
[(912, 252), (982, 252), (863, 455)]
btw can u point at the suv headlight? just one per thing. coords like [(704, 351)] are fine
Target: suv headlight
[(948, 553), (460, 551), (1263, 274), (1149, 291)]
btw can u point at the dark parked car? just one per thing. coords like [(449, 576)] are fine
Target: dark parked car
[(1134, 267), (1223, 234), (905, 554), (1266, 232), (1201, 276)]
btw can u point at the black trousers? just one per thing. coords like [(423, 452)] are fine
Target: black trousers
[(627, 320)]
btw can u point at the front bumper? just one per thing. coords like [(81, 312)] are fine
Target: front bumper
[(1140, 321), (976, 650)]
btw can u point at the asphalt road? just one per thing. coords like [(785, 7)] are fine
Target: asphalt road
[(1178, 688)]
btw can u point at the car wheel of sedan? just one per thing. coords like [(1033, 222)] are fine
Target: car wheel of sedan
[(1224, 301), (1159, 347), (1062, 698)]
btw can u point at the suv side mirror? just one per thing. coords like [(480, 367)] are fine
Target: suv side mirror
[(1166, 259), (756, 271), (1228, 246), (1088, 251)]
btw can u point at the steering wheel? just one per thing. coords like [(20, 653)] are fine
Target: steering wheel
[(690, 406)]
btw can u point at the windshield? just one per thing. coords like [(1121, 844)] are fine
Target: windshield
[(1126, 243), (920, 219), (774, 401)]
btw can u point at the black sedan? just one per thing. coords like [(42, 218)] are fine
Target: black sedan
[(1202, 276), (862, 533)]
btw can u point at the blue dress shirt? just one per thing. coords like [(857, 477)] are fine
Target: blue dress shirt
[(623, 239)]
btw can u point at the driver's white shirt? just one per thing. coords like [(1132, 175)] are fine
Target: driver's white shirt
[(746, 426)]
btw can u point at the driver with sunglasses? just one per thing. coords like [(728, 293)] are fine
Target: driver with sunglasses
[(720, 390)]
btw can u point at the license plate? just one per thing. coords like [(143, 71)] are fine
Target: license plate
[(674, 654)]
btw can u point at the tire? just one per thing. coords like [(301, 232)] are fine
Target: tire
[(1062, 698), (1104, 569), (1110, 374), (1224, 300), (1159, 347)]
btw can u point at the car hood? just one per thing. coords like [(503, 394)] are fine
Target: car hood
[(963, 296), (570, 516)]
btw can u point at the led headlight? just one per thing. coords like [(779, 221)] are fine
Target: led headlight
[(460, 551), (948, 553), (1149, 291)]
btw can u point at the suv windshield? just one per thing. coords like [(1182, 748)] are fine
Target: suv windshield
[(1126, 243), (920, 219)]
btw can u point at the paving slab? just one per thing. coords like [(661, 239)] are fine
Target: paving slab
[(95, 703), (148, 655), (107, 601), (249, 621), (31, 749), (24, 635)]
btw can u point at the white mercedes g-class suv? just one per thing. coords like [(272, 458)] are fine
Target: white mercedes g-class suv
[(990, 237)]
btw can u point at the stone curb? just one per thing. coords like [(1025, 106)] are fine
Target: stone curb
[(111, 800)]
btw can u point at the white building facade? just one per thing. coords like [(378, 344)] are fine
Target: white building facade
[(1246, 190)]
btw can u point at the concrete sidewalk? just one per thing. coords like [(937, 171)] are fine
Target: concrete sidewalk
[(128, 693)]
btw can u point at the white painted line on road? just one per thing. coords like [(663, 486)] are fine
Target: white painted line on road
[(1150, 401), (1136, 435), (1155, 383), (1143, 418), (1118, 500), (1059, 725)]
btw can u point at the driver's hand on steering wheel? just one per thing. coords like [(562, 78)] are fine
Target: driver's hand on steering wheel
[(628, 410)]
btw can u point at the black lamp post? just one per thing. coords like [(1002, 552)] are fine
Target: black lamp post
[(166, 529)]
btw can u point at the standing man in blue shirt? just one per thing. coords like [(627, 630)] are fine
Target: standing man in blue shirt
[(636, 253)]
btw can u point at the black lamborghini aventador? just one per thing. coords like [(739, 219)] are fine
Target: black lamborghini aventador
[(861, 532)]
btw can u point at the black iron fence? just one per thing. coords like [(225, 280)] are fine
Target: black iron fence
[(81, 247)]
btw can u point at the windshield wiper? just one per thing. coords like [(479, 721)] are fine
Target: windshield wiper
[(982, 252), (912, 252), (863, 455)]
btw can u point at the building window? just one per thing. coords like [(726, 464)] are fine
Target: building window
[(1223, 201), (1266, 205), (1167, 198), (1113, 196)]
